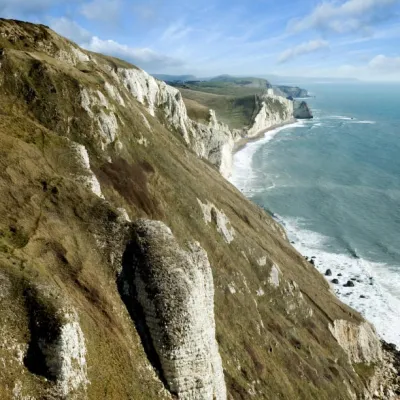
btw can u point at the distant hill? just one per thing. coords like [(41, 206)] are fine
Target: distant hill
[(242, 81), (174, 78)]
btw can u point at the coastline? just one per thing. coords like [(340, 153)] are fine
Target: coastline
[(241, 144), (367, 296)]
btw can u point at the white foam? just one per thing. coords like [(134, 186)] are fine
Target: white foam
[(381, 304), (363, 122), (344, 118), (243, 176)]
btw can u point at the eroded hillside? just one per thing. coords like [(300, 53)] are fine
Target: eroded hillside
[(130, 268)]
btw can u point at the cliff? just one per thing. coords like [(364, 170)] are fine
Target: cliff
[(131, 269), (291, 91)]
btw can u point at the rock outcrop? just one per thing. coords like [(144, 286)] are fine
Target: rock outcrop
[(359, 341), (302, 110), (176, 291)]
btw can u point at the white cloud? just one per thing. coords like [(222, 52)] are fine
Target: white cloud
[(102, 10), (386, 65), (145, 58), (379, 68), (303, 48), (352, 15)]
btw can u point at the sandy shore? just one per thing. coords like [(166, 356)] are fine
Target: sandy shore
[(242, 142)]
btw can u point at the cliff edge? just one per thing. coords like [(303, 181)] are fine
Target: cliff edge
[(131, 269)]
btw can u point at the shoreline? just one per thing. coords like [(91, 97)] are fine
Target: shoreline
[(367, 296), (241, 144)]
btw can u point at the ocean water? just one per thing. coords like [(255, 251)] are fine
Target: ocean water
[(334, 184)]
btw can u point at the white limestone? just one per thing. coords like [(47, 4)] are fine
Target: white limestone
[(213, 141), (274, 276), (260, 292), (66, 358), (124, 214), (359, 341), (267, 117), (79, 54), (212, 214), (175, 288), (231, 288), (86, 176), (5, 286), (113, 92), (103, 116), (262, 261), (72, 56)]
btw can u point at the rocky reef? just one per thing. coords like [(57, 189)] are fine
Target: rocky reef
[(130, 268)]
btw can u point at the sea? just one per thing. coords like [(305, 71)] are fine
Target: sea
[(333, 182)]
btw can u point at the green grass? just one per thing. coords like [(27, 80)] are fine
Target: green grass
[(224, 88), (71, 240), (236, 112)]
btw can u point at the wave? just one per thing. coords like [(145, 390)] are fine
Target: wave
[(344, 118), (244, 176), (375, 294), (350, 119)]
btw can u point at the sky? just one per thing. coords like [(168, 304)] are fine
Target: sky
[(311, 38)]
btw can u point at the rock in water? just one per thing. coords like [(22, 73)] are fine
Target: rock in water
[(175, 289), (335, 281), (328, 272), (349, 284), (301, 110)]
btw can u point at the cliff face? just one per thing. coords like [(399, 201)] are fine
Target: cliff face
[(292, 91), (129, 267)]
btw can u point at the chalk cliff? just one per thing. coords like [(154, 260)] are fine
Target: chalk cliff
[(130, 268)]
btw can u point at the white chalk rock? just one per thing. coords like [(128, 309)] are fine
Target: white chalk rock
[(175, 288)]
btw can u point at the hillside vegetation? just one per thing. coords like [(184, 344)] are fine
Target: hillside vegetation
[(235, 111), (121, 251)]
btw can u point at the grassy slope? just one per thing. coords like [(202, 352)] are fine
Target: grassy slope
[(52, 237), (232, 99), (235, 111)]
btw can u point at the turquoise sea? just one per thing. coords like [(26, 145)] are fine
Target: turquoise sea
[(334, 183)]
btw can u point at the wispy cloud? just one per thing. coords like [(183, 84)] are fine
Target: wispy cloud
[(386, 65), (304, 48), (352, 15), (176, 31), (143, 57)]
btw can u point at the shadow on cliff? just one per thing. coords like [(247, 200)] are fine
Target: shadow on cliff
[(128, 292)]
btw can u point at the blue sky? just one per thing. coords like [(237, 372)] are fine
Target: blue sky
[(335, 38)]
